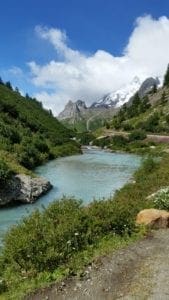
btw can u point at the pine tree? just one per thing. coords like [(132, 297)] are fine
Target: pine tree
[(154, 90), (17, 90), (1, 81), (27, 96), (9, 86), (166, 77)]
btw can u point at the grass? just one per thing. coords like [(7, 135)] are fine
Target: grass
[(13, 164), (106, 246)]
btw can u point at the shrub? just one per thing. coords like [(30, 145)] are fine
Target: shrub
[(46, 240), (161, 199), (5, 172), (137, 135), (102, 142), (85, 138), (151, 123), (119, 141), (127, 126)]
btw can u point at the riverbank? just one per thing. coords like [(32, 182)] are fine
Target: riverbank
[(65, 175), (81, 232), (21, 185), (136, 142)]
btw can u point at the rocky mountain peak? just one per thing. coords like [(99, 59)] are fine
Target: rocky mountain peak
[(81, 104), (72, 109), (148, 85), (118, 97)]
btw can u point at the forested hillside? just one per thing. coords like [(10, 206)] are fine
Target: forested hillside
[(29, 134), (150, 114)]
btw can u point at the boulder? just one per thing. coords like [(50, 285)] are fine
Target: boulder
[(23, 188), (154, 218)]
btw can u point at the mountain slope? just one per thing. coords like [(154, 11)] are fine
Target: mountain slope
[(119, 97), (150, 113), (77, 115), (29, 134)]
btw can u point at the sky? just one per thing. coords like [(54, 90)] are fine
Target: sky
[(60, 50)]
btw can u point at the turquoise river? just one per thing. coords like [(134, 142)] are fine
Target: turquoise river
[(94, 175)]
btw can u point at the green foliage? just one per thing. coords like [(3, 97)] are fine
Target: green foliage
[(163, 98), (49, 239), (102, 142), (8, 85), (85, 137), (151, 124), (135, 108), (141, 114), (154, 89), (5, 172), (63, 236), (119, 141), (166, 78), (161, 199), (137, 135), (133, 143), (28, 131)]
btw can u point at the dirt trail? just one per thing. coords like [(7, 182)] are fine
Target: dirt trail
[(140, 271)]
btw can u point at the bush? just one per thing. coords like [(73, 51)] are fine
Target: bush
[(47, 240), (151, 124), (85, 138), (161, 199), (102, 142), (119, 141), (137, 135), (5, 172), (127, 126)]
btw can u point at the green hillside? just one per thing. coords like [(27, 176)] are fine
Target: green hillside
[(29, 134), (151, 113), (140, 124)]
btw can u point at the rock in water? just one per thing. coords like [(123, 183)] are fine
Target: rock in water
[(154, 218), (23, 188)]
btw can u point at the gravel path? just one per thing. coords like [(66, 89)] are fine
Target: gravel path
[(140, 271)]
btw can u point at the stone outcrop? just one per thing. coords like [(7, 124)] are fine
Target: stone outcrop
[(154, 218), (24, 189), (73, 110), (147, 86)]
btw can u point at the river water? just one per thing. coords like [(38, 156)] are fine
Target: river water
[(95, 174)]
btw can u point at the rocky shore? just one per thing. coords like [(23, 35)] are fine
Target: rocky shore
[(24, 189)]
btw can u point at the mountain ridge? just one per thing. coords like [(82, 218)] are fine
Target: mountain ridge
[(77, 112)]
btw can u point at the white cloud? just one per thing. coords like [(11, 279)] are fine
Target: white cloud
[(75, 75)]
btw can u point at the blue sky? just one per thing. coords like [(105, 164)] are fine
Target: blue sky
[(90, 25)]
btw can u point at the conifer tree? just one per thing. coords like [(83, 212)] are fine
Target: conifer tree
[(1, 81), (154, 90), (9, 86), (166, 77)]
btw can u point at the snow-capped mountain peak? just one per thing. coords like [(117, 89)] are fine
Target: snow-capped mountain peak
[(119, 97)]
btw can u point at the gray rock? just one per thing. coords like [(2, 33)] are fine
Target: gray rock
[(73, 110), (147, 86), (23, 188)]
